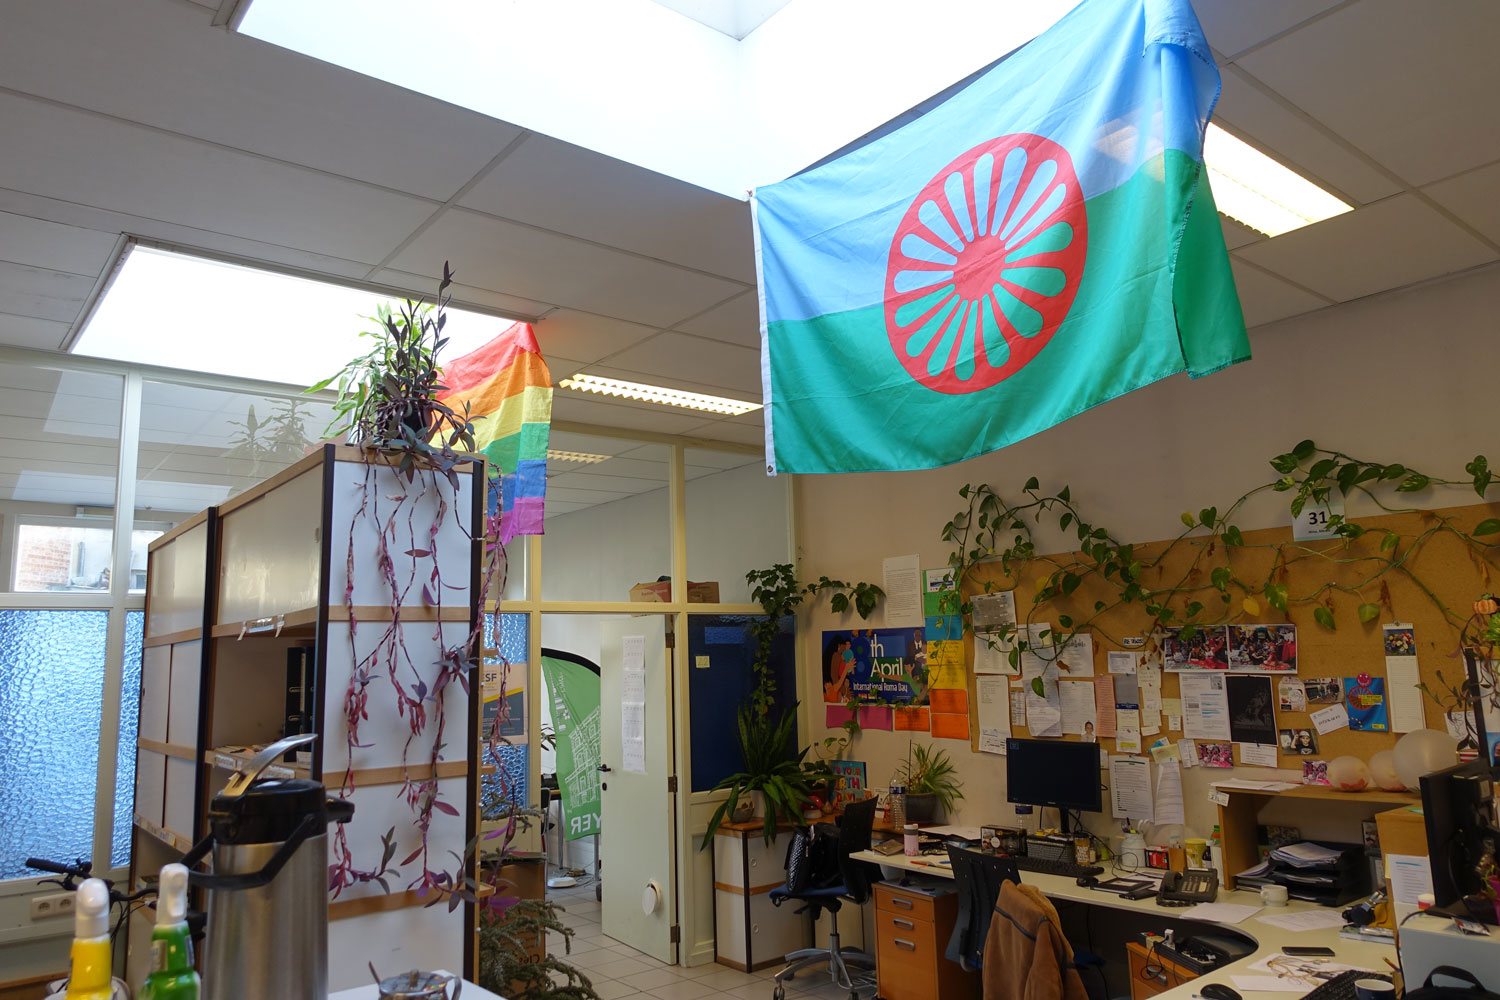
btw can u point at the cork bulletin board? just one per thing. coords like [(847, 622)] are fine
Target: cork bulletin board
[(1443, 565)]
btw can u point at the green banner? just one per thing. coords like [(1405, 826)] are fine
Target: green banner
[(574, 690)]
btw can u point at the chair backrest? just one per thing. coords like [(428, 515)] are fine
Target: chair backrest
[(977, 879), (854, 835)]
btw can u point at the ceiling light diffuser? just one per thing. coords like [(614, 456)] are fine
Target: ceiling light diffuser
[(577, 457), (1255, 190), (657, 394)]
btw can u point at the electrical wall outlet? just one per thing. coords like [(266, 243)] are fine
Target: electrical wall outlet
[(57, 904)]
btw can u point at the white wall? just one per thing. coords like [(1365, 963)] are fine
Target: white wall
[(1394, 378)]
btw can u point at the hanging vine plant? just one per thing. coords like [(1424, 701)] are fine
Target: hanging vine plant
[(1215, 588), (387, 405)]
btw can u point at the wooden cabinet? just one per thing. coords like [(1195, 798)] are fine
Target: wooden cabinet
[(912, 928), (750, 932), (289, 576), (1151, 974)]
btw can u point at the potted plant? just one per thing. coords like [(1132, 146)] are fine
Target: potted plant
[(931, 781), (773, 778)]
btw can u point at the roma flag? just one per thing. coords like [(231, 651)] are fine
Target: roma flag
[(509, 391), (1038, 243)]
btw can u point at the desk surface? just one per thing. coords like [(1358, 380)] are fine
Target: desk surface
[(1268, 937), (471, 991)]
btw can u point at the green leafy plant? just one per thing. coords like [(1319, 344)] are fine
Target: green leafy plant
[(928, 771), (506, 963), (770, 769)]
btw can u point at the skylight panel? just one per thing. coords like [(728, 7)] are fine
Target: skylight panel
[(200, 315)]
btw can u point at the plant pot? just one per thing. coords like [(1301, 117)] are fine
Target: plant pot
[(921, 807), (744, 811), (759, 801)]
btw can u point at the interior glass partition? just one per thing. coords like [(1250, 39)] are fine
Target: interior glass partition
[(737, 519)]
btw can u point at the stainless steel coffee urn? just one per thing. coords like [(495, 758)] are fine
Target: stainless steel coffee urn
[(268, 894)]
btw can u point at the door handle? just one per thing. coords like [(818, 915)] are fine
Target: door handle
[(604, 767)]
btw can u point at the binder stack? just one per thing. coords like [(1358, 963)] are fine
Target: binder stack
[(1328, 874)]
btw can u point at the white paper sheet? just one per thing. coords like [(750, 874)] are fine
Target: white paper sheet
[(1150, 678), (993, 611), (633, 737), (1267, 984), (1205, 705), (1168, 794), (1188, 751), (994, 713), (1043, 712), (1331, 718), (992, 655), (1123, 661), (1017, 708), (1077, 707), (1220, 913), (1130, 788), (634, 669), (1402, 699), (902, 580), (1307, 920), (1410, 875), (1258, 754), (1076, 656)]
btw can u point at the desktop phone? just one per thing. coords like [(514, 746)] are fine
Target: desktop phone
[(1196, 885)]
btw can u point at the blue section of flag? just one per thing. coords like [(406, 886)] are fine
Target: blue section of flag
[(1083, 84)]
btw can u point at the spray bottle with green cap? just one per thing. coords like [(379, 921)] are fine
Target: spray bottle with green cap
[(172, 975), (89, 977)]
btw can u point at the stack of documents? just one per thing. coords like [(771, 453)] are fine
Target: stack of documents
[(1254, 877), (1331, 875), (1307, 855)]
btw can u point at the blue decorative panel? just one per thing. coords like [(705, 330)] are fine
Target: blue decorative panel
[(510, 781), (130, 718), (51, 692), (512, 636)]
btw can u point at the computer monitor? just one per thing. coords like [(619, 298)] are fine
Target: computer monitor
[(1458, 808), (1053, 773)]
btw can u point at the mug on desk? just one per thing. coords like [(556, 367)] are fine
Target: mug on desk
[(1195, 847)]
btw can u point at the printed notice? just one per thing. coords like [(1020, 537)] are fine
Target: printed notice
[(1168, 794), (1078, 709), (633, 737), (1122, 661), (1205, 706), (1104, 706), (994, 713), (1130, 788), (634, 654), (1075, 658), (1331, 718), (902, 579)]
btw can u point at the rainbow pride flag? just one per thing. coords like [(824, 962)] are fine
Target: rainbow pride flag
[(509, 391)]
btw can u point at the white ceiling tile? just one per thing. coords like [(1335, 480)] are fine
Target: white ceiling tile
[(1236, 235), (28, 331), (585, 408), (1233, 25), (1474, 197), (75, 156), (723, 430), (589, 479), (736, 321), (521, 260), (463, 294), (1381, 246), (1413, 84), (34, 291), (239, 91), (559, 186), (1266, 298), (586, 337), (594, 444), (565, 499), (1257, 118), (690, 359), (25, 240)]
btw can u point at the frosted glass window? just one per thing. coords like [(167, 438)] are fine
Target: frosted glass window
[(724, 488), (51, 692), (58, 458), (130, 718), (511, 780)]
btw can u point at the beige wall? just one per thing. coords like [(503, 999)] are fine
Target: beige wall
[(1394, 378)]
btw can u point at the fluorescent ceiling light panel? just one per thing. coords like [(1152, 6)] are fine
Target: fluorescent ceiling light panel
[(1253, 189), (576, 457), (201, 315), (657, 394)]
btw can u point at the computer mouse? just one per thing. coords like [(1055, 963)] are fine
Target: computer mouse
[(1218, 991), (1087, 881)]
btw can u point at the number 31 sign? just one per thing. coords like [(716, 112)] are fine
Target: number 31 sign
[(1313, 521)]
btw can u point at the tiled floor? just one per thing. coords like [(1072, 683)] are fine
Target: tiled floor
[(617, 970)]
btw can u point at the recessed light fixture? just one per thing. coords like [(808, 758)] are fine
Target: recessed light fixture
[(657, 394), (577, 457), (1253, 189)]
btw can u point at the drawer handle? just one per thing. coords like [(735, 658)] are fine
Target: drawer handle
[(904, 944), (905, 925), (900, 903)]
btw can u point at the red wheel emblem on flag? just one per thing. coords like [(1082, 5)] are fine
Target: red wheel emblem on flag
[(985, 264)]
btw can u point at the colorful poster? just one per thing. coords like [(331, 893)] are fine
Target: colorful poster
[(1263, 648), (1205, 649), (875, 665), (1364, 698), (848, 781), (939, 599)]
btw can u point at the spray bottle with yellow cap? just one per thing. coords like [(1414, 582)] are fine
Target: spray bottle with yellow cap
[(89, 977)]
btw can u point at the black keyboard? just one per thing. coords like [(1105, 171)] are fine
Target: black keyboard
[(1341, 986), (1052, 866)]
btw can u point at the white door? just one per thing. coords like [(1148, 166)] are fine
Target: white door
[(637, 812)]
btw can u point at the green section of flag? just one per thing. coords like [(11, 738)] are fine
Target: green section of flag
[(1156, 298), (574, 692), (528, 442)]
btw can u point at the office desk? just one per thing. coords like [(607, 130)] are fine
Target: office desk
[(1268, 938)]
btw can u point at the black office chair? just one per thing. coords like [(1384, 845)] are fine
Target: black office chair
[(977, 878), (853, 886)]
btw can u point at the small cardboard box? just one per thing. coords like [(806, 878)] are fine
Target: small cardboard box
[(1401, 831), (661, 592)]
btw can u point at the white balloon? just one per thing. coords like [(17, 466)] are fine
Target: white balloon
[(1383, 772), (1421, 752), (1348, 774)]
